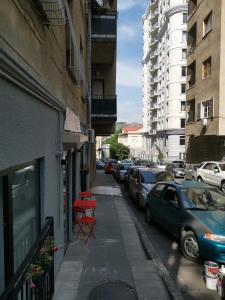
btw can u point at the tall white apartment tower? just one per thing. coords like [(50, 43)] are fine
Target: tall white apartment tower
[(164, 79)]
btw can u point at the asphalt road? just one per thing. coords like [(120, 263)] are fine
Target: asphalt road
[(187, 275)]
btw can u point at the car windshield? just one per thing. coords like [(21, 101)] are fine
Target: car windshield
[(124, 167), (222, 167), (203, 199), (178, 165), (147, 177)]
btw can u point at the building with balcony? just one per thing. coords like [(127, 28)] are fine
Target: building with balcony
[(205, 128), (164, 79), (51, 53), (103, 66)]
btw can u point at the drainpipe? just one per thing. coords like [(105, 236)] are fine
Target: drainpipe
[(88, 3)]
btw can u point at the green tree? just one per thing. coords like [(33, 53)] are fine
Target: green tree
[(119, 151)]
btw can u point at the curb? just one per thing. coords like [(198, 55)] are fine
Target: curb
[(162, 271)]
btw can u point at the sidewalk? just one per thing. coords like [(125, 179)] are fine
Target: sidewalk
[(116, 255)]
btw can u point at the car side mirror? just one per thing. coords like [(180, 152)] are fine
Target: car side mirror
[(216, 170), (173, 204)]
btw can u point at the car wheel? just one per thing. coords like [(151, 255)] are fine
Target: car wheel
[(148, 216), (199, 178), (189, 246), (223, 186)]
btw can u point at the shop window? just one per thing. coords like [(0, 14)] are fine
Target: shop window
[(21, 213)]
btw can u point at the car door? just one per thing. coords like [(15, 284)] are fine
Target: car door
[(171, 210), (215, 175), (155, 202), (132, 182), (206, 173), (136, 183)]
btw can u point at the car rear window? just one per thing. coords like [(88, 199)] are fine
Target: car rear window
[(147, 177)]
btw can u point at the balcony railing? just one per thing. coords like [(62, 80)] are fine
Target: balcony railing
[(19, 287), (105, 106), (104, 26)]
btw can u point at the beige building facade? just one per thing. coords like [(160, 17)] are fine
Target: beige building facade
[(48, 62), (205, 123)]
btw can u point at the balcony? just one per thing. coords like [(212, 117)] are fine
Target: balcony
[(104, 35), (154, 68), (104, 114)]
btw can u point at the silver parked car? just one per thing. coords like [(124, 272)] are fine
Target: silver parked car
[(121, 171), (176, 169), (142, 180), (190, 172)]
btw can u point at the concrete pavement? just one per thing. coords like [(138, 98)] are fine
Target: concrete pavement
[(115, 256)]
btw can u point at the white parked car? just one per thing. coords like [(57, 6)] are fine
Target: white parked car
[(212, 172)]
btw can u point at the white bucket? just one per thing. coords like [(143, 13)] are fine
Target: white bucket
[(211, 283), (211, 269)]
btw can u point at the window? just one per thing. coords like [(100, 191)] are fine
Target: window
[(191, 111), (207, 24), (206, 68), (184, 36), (182, 155), (184, 18), (183, 71), (184, 53), (205, 109), (182, 106), (20, 195), (183, 88), (182, 123), (182, 140)]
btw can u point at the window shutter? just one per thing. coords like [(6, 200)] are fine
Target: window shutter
[(199, 111), (211, 108)]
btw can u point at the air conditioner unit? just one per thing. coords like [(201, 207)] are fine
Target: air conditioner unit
[(204, 122)]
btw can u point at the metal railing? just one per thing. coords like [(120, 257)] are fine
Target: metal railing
[(19, 288), (104, 106)]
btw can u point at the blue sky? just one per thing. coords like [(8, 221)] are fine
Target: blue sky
[(129, 55)]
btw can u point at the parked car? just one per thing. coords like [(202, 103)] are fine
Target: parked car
[(194, 213), (128, 173), (142, 180), (110, 167), (176, 169), (212, 172), (121, 171), (100, 165), (190, 172)]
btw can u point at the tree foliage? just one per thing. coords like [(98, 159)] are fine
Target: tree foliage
[(117, 150)]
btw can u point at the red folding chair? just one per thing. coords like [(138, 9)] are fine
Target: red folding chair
[(85, 195), (86, 223)]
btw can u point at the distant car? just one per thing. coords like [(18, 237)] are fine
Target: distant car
[(190, 172), (161, 166), (212, 172), (176, 169), (142, 180), (110, 167), (100, 165), (194, 213), (121, 171)]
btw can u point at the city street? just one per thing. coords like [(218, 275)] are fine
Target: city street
[(188, 275)]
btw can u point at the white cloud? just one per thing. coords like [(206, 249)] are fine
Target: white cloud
[(126, 31), (129, 111), (129, 74)]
